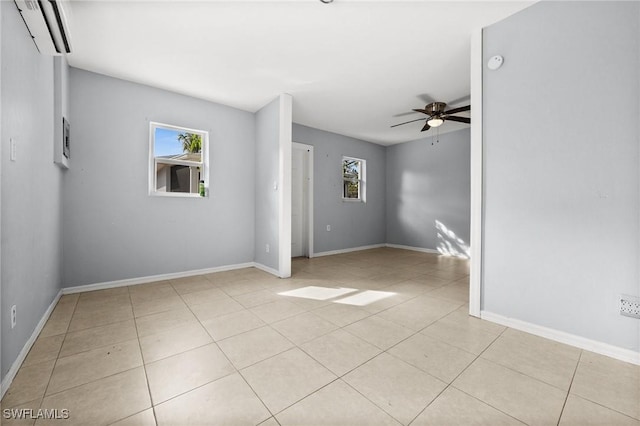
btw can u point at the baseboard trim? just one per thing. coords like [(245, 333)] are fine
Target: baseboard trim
[(606, 349), (153, 278), (420, 249), (268, 269), (8, 378), (11, 374), (347, 250)]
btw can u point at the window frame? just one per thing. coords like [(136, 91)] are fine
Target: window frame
[(204, 164), (362, 187)]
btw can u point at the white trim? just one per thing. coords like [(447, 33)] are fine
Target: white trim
[(475, 239), (420, 249), (176, 194), (153, 278), (309, 166), (606, 349), (348, 250), (1, 387), (152, 160), (362, 184), (311, 175), (11, 374), (284, 197), (172, 161), (267, 269)]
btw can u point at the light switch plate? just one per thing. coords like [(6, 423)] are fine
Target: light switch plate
[(13, 153)]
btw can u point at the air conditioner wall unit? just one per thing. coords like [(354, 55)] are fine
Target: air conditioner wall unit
[(48, 23)]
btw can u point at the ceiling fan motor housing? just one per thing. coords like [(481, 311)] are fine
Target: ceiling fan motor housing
[(435, 108)]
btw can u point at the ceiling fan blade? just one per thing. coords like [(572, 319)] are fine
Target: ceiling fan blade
[(407, 122), (424, 111), (459, 119), (426, 98), (404, 114), (426, 127), (459, 109), (460, 100)]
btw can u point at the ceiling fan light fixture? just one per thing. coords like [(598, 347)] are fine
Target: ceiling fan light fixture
[(435, 121)]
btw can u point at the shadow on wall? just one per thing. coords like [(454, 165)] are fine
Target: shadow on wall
[(449, 244)]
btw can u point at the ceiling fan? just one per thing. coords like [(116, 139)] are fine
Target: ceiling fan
[(437, 115)]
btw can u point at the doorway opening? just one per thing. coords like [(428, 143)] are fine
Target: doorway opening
[(301, 200)]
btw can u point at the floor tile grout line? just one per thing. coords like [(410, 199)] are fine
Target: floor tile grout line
[(348, 371), (130, 416), (280, 411), (424, 328), (373, 402), (524, 374), (298, 347), (517, 372), (101, 325), (221, 350), (59, 350), (144, 367), (94, 380), (488, 405), (270, 356), (566, 398), (98, 347), (172, 355), (61, 346), (458, 375), (636, 419), (236, 369), (401, 360), (383, 350), (419, 332), (192, 389), (304, 397), (343, 327)]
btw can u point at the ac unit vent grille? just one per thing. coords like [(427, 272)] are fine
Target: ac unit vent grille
[(31, 4)]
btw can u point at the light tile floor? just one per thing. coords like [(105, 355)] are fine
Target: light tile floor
[(368, 338)]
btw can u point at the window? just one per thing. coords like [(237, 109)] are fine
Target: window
[(353, 179), (178, 161)]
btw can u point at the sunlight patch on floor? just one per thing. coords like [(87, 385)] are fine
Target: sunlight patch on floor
[(318, 293), (365, 298)]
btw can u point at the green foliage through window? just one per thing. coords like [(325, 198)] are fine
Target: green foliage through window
[(191, 142), (352, 177)]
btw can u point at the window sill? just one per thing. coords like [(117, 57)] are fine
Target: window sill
[(353, 200), (175, 195)]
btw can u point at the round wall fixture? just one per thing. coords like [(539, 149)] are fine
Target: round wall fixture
[(495, 62)]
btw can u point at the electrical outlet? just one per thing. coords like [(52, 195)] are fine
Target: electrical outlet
[(267, 248), (328, 227), (630, 306), (13, 316)]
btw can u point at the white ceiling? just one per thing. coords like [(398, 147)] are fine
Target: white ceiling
[(351, 66)]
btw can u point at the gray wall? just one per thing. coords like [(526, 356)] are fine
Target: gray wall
[(267, 134), (31, 186), (352, 224), (428, 193), (561, 168), (112, 228)]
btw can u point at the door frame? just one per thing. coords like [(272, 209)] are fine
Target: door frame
[(477, 174), (309, 200)]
